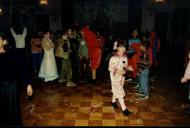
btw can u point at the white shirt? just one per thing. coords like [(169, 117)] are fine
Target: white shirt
[(19, 38)]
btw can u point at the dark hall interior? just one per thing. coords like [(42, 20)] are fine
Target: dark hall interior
[(89, 105)]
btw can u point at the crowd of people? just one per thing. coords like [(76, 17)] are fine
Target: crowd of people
[(68, 55), (74, 54), (79, 50)]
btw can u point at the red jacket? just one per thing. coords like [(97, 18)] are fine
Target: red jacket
[(91, 40)]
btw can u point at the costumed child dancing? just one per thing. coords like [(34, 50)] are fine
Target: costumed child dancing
[(118, 65)]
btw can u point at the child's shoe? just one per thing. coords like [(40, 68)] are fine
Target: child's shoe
[(126, 112), (61, 80), (70, 84), (114, 105)]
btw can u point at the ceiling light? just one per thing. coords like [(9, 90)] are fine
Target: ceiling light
[(44, 2)]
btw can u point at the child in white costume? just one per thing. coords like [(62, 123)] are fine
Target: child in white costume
[(118, 65)]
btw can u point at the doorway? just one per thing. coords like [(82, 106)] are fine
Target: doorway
[(161, 27)]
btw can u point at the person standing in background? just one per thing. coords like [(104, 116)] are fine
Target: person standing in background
[(134, 45), (74, 45), (185, 79), (94, 51), (9, 93), (48, 69), (63, 51), (37, 54), (20, 48), (144, 64), (84, 59)]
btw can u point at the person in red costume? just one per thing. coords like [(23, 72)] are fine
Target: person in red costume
[(134, 45), (94, 50)]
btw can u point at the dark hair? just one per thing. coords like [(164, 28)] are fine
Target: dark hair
[(63, 32), (121, 43), (45, 32), (145, 44)]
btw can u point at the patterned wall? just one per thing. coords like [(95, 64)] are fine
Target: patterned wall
[(104, 12)]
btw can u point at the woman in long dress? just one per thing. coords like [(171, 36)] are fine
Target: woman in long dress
[(10, 112), (48, 69)]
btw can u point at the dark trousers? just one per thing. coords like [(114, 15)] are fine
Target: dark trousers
[(75, 64), (36, 61), (23, 66), (59, 64), (84, 69), (10, 104)]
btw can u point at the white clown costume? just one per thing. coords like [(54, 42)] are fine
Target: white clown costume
[(118, 63), (117, 81)]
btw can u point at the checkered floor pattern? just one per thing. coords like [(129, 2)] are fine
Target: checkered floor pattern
[(90, 105)]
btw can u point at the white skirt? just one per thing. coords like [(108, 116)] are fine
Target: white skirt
[(48, 69)]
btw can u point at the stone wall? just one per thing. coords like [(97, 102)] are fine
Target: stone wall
[(101, 12)]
